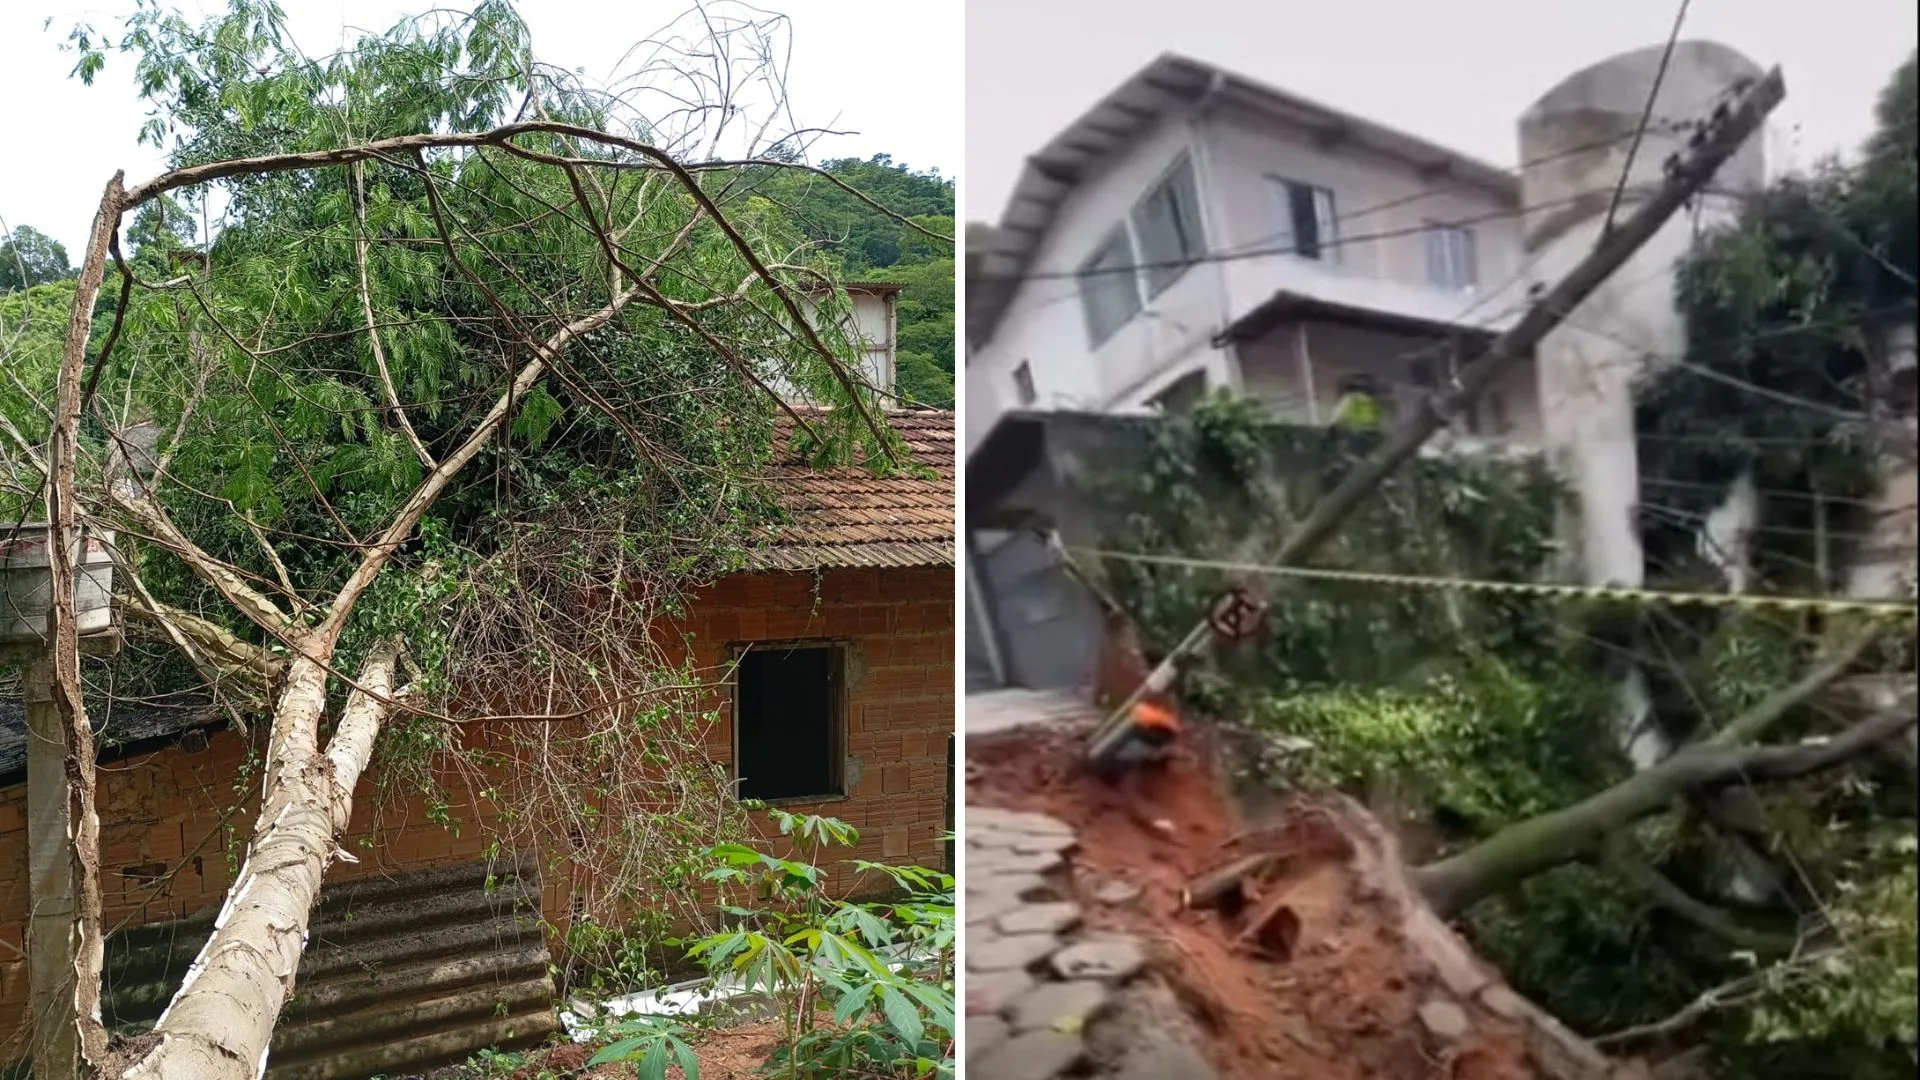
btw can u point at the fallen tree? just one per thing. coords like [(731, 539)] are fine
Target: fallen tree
[(1534, 846), (541, 267)]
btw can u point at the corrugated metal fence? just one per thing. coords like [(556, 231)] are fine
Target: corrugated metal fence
[(402, 973)]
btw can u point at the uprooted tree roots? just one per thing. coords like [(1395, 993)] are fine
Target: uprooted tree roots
[(1296, 946)]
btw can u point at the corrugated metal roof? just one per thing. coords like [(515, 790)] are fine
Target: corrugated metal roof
[(845, 516), (402, 973), (120, 729)]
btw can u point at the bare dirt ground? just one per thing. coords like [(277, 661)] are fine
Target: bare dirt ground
[(1317, 966), (730, 1053)]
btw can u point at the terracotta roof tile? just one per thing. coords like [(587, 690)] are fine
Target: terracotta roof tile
[(845, 516)]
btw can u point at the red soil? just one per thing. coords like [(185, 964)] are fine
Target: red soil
[(1310, 978), (734, 1053)]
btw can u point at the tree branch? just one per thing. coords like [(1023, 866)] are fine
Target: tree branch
[(408, 517), (1541, 843), (65, 546), (373, 329), (1671, 896)]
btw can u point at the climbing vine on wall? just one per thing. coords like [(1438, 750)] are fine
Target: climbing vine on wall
[(1226, 482)]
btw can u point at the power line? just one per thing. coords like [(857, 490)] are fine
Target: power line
[(1254, 248), (1898, 610), (1646, 114)]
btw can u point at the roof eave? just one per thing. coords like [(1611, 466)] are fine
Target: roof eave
[(1169, 83)]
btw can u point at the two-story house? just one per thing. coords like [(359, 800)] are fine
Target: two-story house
[(1196, 229)]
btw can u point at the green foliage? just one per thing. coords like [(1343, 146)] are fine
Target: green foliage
[(1791, 299), (1588, 948), (812, 956), (628, 473), (925, 343), (864, 240), (29, 257), (652, 1044), (873, 246), (1474, 740), (1206, 483), (1856, 999), (160, 231), (1476, 712)]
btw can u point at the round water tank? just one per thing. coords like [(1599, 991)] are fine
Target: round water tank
[(1574, 141)]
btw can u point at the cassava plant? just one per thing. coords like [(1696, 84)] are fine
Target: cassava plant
[(861, 988)]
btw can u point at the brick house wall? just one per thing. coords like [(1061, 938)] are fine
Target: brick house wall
[(174, 821)]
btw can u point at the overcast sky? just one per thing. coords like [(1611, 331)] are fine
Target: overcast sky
[(893, 81), (1457, 72)]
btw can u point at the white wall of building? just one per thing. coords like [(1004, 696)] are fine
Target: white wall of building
[(872, 323), (1044, 327), (1373, 194)]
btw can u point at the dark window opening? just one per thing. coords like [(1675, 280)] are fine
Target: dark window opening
[(1497, 413), (1182, 394), (1308, 227), (1023, 384), (788, 726)]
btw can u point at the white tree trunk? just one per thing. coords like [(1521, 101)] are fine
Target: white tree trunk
[(221, 1022)]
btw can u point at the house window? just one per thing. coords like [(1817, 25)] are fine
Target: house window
[(789, 722), (1308, 228), (1023, 384), (1182, 394), (1167, 224), (1497, 413), (1109, 286), (1451, 262)]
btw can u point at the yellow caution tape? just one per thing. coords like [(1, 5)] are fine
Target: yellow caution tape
[(1884, 609)]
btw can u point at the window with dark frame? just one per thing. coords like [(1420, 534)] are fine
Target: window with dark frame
[(1109, 286), (1308, 227), (789, 721), (1167, 227)]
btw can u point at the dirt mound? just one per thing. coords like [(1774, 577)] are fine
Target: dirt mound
[(1294, 945)]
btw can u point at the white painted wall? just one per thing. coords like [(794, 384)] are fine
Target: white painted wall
[(1043, 325), (872, 320), (1629, 326), (1373, 194)]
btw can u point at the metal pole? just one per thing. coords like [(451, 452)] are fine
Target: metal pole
[(56, 1043)]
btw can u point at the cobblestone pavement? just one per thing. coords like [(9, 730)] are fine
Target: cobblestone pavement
[(1035, 978)]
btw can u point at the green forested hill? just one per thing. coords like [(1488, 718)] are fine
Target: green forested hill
[(872, 246), (869, 245)]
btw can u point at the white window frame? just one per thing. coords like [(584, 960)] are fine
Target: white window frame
[(1160, 269), (1325, 215), (1096, 273), (1453, 257)]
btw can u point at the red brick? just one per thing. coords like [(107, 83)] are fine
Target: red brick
[(895, 779), (894, 842)]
